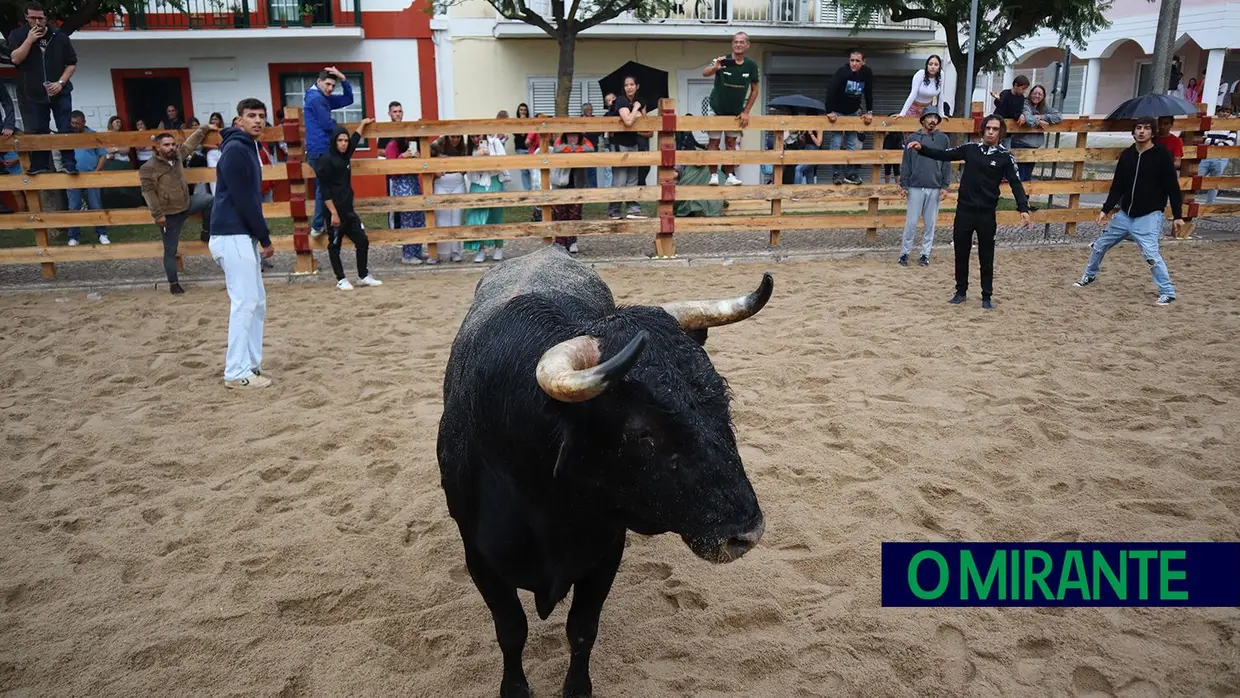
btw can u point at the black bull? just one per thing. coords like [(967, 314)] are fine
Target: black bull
[(568, 420)]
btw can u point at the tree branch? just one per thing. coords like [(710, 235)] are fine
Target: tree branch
[(518, 10), (607, 12), (84, 15)]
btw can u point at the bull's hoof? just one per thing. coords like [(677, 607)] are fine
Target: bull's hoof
[(580, 688), (515, 689)]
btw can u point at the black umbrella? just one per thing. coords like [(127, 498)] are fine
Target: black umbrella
[(797, 102), (1153, 106), (651, 83)]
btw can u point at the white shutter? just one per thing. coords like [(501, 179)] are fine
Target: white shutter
[(585, 89)]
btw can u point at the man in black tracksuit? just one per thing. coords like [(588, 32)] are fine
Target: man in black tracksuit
[(985, 165), (333, 171)]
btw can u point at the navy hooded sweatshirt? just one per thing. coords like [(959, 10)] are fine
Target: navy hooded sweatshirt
[(238, 206)]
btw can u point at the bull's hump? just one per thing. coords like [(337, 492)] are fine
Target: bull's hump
[(549, 271)]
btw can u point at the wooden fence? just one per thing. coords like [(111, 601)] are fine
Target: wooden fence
[(663, 157)]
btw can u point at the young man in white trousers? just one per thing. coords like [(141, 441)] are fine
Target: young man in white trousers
[(238, 229)]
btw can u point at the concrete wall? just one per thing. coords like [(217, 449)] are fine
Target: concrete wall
[(223, 72)]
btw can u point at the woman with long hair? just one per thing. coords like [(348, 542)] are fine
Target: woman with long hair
[(486, 182), (114, 153), (518, 146), (143, 154), (927, 87), (449, 183), (1038, 113)]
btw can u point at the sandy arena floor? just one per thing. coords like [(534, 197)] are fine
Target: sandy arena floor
[(162, 536)]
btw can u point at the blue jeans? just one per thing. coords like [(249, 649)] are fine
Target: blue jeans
[(922, 203), (806, 174), (1211, 167), (527, 181), (38, 119), (1025, 169), (1145, 231), (319, 221), (850, 142), (94, 202), (592, 177)]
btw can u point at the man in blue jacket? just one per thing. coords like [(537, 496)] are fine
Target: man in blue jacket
[(238, 228), (317, 108)]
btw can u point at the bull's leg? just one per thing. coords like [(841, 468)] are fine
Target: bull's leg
[(589, 593), (510, 624)]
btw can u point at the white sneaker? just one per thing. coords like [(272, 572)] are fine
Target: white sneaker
[(411, 260), (432, 260), (456, 257), (344, 285), (481, 256), (714, 180), (73, 243), (734, 181), (103, 240), (316, 232), (572, 249), (254, 381), (499, 254), (369, 280)]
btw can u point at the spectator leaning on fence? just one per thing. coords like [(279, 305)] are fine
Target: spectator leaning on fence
[(924, 183), (317, 108), (851, 84), (92, 160), (1214, 167), (733, 94), (1036, 113), (237, 229), (45, 61), (167, 196)]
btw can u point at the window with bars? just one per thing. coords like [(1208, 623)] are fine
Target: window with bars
[(293, 88), (585, 90)]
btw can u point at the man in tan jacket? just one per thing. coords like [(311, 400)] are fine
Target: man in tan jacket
[(168, 198)]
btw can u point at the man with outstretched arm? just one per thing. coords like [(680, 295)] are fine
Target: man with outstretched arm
[(1145, 178), (985, 165), (238, 228), (733, 94), (167, 195)]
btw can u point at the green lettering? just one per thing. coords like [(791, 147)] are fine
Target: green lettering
[(1037, 577), (1015, 567), (1072, 563), (1119, 585), (1166, 575), (944, 576), (1143, 576), (969, 575)]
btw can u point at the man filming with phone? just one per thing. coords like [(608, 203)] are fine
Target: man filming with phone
[(734, 94), (45, 61)]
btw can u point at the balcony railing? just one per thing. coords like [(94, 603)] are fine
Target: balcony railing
[(782, 13), (235, 14)]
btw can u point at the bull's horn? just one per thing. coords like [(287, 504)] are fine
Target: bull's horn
[(700, 315), (570, 371)]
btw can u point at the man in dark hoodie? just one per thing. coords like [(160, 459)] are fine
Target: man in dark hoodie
[(853, 82), (1010, 104), (238, 228), (985, 165), (1145, 178), (924, 183), (335, 176)]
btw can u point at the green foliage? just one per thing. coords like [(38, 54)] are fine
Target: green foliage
[(69, 15), (1000, 22)]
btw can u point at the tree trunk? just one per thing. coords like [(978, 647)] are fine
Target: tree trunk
[(564, 74), (1164, 46)]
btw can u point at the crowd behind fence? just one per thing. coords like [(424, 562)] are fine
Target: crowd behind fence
[(867, 200)]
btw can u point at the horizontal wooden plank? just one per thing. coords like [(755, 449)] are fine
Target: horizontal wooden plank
[(23, 142), (117, 216), (114, 178), (757, 123)]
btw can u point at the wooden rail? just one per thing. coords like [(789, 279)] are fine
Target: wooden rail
[(861, 205)]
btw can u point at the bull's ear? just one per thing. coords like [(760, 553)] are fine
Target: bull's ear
[(698, 336)]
